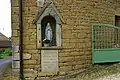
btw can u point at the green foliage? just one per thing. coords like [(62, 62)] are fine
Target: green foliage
[(7, 52)]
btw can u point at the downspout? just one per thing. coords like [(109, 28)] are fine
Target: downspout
[(21, 40)]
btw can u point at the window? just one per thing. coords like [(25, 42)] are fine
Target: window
[(117, 23), (117, 20)]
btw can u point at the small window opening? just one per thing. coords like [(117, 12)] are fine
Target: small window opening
[(117, 23)]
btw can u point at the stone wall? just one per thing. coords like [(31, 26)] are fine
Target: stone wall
[(76, 33), (79, 15)]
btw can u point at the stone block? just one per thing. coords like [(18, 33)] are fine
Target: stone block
[(26, 39), (74, 53), (67, 26), (31, 62), (31, 19), (15, 64), (61, 64), (68, 2), (15, 26), (26, 56), (62, 73), (15, 40), (36, 56), (32, 26), (78, 57), (74, 35), (70, 63), (33, 51), (15, 48), (29, 3), (69, 45), (66, 33), (35, 67), (14, 3), (15, 10), (15, 18), (14, 33), (88, 52), (66, 59), (65, 40), (15, 70), (33, 10), (29, 78), (82, 35), (32, 41), (43, 74), (80, 45), (63, 55), (76, 67), (30, 73), (16, 56), (29, 47), (74, 40), (25, 27), (26, 11), (117, 11), (66, 68), (32, 31), (44, 78)]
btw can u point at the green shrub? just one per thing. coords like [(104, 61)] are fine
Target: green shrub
[(7, 52)]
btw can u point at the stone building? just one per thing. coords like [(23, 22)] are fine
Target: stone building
[(5, 42), (66, 27)]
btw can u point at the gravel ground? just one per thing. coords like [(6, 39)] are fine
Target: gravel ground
[(100, 72), (97, 72), (3, 63), (110, 77)]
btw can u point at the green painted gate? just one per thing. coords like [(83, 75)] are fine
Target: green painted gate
[(105, 43)]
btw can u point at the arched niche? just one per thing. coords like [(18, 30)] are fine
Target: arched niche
[(49, 16), (49, 20)]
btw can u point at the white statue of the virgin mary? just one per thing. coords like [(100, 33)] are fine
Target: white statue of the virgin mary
[(48, 32)]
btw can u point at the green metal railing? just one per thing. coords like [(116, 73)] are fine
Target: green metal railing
[(105, 38)]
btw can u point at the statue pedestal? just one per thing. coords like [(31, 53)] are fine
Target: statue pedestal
[(46, 45)]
